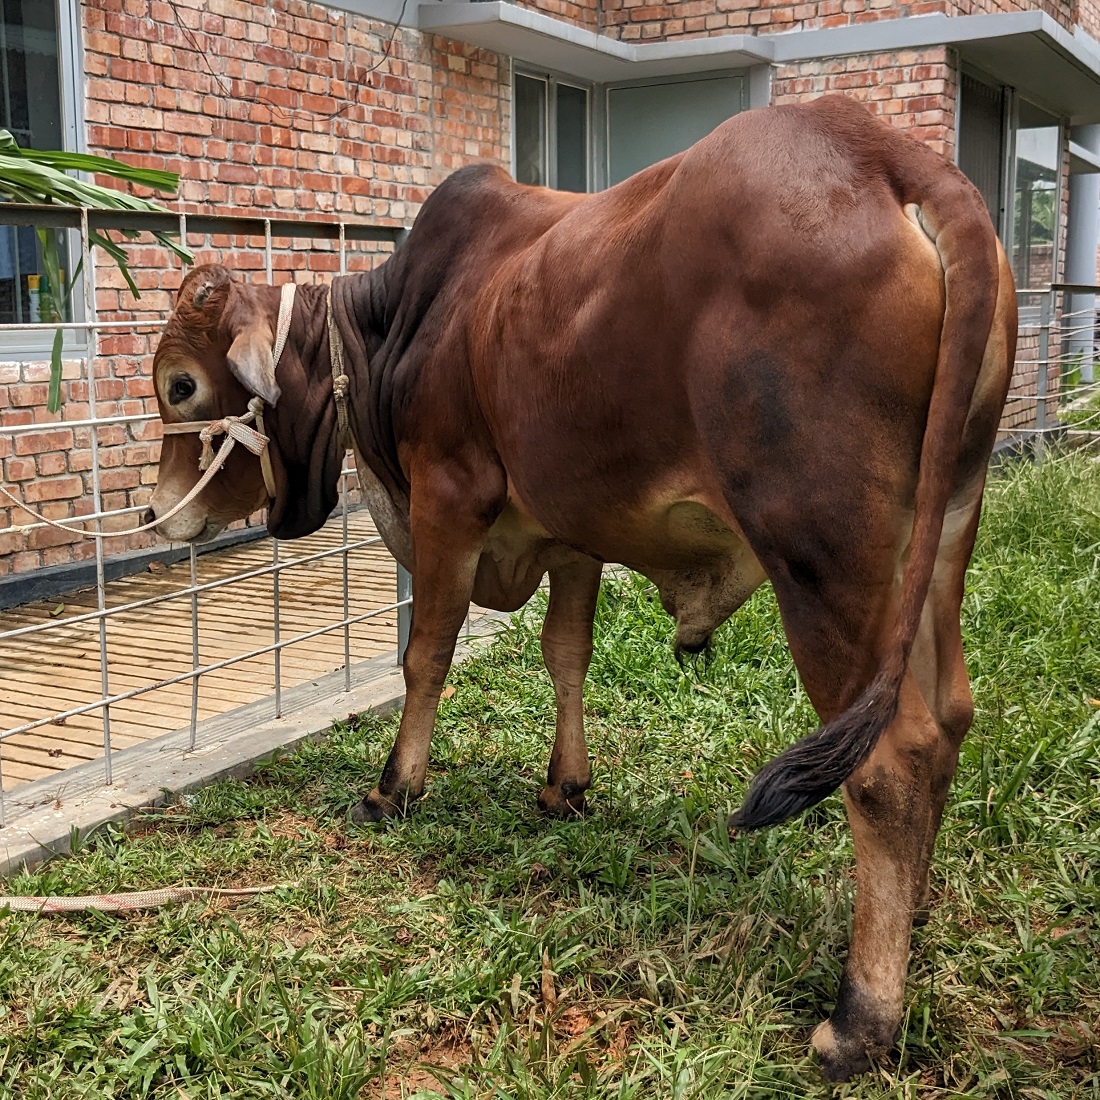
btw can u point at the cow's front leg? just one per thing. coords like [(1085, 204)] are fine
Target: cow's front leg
[(446, 552), (567, 651)]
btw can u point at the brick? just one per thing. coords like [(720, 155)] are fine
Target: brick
[(19, 469), (57, 488), (35, 443), (55, 462)]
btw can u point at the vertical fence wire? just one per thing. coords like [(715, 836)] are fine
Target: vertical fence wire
[(1046, 311), (194, 648), (194, 567), (276, 617), (404, 578), (97, 502), (344, 507)]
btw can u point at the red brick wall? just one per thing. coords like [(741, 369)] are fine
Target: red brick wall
[(304, 114), (582, 13), (645, 19), (301, 110), (1088, 16), (912, 89)]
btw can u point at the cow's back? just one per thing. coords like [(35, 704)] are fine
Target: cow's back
[(739, 305)]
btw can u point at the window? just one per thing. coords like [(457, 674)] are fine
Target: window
[(31, 110), (552, 133), (1011, 150), (577, 137), (651, 120), (982, 141), (1035, 207)]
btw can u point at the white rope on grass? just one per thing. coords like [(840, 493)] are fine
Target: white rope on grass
[(121, 903)]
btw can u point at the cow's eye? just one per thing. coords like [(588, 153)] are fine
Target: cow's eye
[(181, 389)]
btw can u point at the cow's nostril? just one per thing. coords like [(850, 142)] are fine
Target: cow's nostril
[(149, 516)]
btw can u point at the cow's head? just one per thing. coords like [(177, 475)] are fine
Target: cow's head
[(214, 356)]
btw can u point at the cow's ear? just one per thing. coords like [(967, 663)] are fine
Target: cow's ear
[(250, 358)]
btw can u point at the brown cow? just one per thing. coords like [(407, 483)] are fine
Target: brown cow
[(782, 354)]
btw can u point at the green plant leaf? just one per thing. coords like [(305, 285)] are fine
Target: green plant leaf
[(40, 176), (53, 398)]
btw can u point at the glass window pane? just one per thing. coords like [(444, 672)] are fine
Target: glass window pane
[(529, 108), (1035, 207), (572, 135), (30, 109)]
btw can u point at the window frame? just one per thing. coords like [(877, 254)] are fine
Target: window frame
[(29, 346), (552, 79), (599, 115), (1061, 181)]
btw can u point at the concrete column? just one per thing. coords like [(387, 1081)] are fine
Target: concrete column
[(1082, 241)]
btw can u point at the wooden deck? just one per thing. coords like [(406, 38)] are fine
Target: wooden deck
[(47, 673)]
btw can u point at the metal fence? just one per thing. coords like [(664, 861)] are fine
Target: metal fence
[(274, 245), (1056, 389)]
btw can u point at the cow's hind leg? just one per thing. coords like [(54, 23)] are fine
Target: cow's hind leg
[(567, 651), (895, 801)]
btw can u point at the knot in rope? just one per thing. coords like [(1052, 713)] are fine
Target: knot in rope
[(237, 429)]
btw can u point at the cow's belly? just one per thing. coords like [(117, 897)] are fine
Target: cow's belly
[(518, 553), (703, 570)]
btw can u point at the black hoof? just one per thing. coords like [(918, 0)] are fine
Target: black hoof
[(376, 807), (555, 806), (843, 1067), (566, 799), (856, 1035)]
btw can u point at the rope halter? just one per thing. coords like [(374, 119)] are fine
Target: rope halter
[(236, 430)]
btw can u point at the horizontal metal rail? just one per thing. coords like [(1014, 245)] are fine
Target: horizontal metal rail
[(190, 590), (98, 422), (65, 326), (196, 225), (183, 677)]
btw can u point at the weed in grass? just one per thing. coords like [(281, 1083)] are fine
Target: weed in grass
[(408, 960)]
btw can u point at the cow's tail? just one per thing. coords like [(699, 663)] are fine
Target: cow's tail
[(952, 214)]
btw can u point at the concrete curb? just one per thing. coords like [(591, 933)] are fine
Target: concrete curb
[(45, 818)]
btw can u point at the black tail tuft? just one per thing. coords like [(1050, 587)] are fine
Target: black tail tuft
[(811, 769)]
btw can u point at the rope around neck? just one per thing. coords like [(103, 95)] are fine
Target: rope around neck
[(234, 428), (339, 376)]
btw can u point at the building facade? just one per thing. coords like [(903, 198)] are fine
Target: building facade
[(356, 109)]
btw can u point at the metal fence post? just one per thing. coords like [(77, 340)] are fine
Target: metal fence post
[(404, 578), (344, 562), (1046, 310), (91, 316), (404, 611)]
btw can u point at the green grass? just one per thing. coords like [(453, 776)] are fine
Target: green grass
[(407, 960)]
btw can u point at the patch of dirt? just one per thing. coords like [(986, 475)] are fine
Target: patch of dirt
[(447, 1051)]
